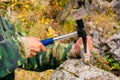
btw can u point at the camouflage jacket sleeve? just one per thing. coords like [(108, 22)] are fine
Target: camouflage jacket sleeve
[(10, 56), (13, 53), (55, 55)]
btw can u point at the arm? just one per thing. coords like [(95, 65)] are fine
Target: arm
[(14, 48), (15, 51), (52, 58), (55, 55), (10, 49), (10, 56)]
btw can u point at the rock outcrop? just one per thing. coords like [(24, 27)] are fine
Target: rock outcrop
[(114, 45), (75, 69)]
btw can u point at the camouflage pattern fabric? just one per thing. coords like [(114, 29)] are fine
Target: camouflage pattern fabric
[(11, 54), (10, 49), (55, 55)]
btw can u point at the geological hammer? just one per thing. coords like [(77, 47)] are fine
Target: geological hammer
[(80, 32)]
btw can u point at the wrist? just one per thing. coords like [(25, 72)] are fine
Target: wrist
[(72, 53)]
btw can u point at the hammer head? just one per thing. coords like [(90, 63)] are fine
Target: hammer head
[(84, 51), (81, 33)]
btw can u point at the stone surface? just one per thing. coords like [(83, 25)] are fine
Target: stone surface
[(114, 44), (75, 69), (78, 13), (116, 6)]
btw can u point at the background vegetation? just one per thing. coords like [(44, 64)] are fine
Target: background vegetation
[(35, 18), (39, 18)]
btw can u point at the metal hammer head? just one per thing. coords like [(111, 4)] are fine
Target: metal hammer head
[(81, 33)]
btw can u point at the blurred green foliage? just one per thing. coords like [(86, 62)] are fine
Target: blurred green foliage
[(115, 65), (62, 2), (69, 25)]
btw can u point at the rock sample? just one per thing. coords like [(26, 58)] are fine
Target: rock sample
[(75, 69)]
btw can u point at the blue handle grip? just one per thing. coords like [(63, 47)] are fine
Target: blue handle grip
[(47, 41)]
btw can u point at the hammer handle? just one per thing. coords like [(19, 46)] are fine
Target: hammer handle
[(51, 40), (47, 41)]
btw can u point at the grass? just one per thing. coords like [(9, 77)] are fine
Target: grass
[(21, 74)]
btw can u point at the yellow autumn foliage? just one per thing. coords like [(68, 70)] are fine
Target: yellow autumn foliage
[(44, 20), (51, 32)]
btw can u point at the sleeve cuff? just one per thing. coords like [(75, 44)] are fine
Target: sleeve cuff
[(71, 53), (24, 47)]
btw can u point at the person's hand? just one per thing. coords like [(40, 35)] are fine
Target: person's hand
[(35, 46), (79, 43)]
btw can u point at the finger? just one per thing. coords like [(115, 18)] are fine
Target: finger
[(38, 47), (89, 37), (30, 56), (77, 51), (91, 46), (42, 47), (89, 42), (35, 49), (33, 53), (79, 42)]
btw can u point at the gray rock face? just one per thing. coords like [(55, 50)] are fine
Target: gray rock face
[(116, 6), (97, 37), (78, 13), (114, 44), (75, 69)]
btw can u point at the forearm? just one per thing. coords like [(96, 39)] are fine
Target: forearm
[(55, 55)]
